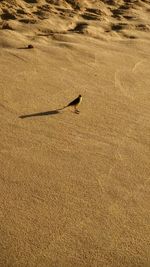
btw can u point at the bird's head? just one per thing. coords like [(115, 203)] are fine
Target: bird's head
[(80, 95)]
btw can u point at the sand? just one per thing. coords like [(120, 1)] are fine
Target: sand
[(75, 187)]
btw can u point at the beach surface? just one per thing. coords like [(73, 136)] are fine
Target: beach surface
[(75, 188)]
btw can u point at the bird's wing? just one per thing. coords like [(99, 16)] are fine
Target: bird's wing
[(74, 102)]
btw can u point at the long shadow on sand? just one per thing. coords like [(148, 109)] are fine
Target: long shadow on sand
[(45, 113), (26, 47)]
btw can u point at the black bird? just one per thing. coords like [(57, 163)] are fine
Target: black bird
[(75, 103)]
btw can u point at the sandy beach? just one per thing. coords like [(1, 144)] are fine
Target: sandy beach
[(75, 188)]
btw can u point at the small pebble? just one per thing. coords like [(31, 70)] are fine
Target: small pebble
[(30, 46)]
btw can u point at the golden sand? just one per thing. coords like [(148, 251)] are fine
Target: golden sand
[(74, 187)]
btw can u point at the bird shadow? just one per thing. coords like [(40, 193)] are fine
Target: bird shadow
[(39, 114), (26, 47)]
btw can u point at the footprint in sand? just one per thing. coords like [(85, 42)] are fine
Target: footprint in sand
[(80, 27)]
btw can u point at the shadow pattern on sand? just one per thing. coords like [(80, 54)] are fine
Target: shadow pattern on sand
[(39, 114), (27, 47)]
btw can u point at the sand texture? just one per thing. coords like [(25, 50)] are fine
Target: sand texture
[(75, 188)]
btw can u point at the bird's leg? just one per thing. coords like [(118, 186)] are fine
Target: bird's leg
[(76, 110)]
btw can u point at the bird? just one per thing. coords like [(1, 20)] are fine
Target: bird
[(74, 103)]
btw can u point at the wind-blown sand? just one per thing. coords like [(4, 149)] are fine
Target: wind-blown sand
[(75, 188)]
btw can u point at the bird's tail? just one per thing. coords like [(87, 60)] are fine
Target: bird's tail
[(63, 107)]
